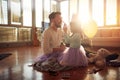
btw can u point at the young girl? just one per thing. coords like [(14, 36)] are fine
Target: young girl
[(75, 54)]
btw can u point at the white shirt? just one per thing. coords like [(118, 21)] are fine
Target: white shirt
[(51, 39)]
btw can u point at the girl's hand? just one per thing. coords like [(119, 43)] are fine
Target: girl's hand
[(65, 28)]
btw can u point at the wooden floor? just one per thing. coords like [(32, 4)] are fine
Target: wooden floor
[(15, 67)]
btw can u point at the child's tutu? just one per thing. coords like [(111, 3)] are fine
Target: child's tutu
[(74, 57)]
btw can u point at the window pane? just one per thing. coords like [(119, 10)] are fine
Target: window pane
[(15, 12), (53, 5), (46, 10), (84, 10), (98, 11), (39, 17), (111, 12), (73, 7), (64, 10), (3, 12), (27, 13)]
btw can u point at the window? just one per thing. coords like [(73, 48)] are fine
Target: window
[(3, 12), (104, 12), (53, 5), (73, 7), (27, 13), (98, 11), (111, 12), (15, 12), (84, 12), (46, 10), (38, 13), (64, 11)]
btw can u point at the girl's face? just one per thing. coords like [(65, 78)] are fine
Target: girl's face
[(74, 27)]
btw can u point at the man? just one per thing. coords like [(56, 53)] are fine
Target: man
[(52, 45), (53, 36)]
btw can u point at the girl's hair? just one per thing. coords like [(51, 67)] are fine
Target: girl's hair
[(76, 25)]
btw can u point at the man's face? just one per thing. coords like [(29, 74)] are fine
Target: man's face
[(58, 21)]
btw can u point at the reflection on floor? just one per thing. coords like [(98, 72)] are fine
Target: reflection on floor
[(15, 67)]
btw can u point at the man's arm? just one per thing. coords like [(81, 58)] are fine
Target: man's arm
[(46, 43), (60, 48)]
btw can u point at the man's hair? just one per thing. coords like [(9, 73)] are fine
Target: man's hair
[(53, 14)]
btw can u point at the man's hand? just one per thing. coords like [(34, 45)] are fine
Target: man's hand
[(62, 47)]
